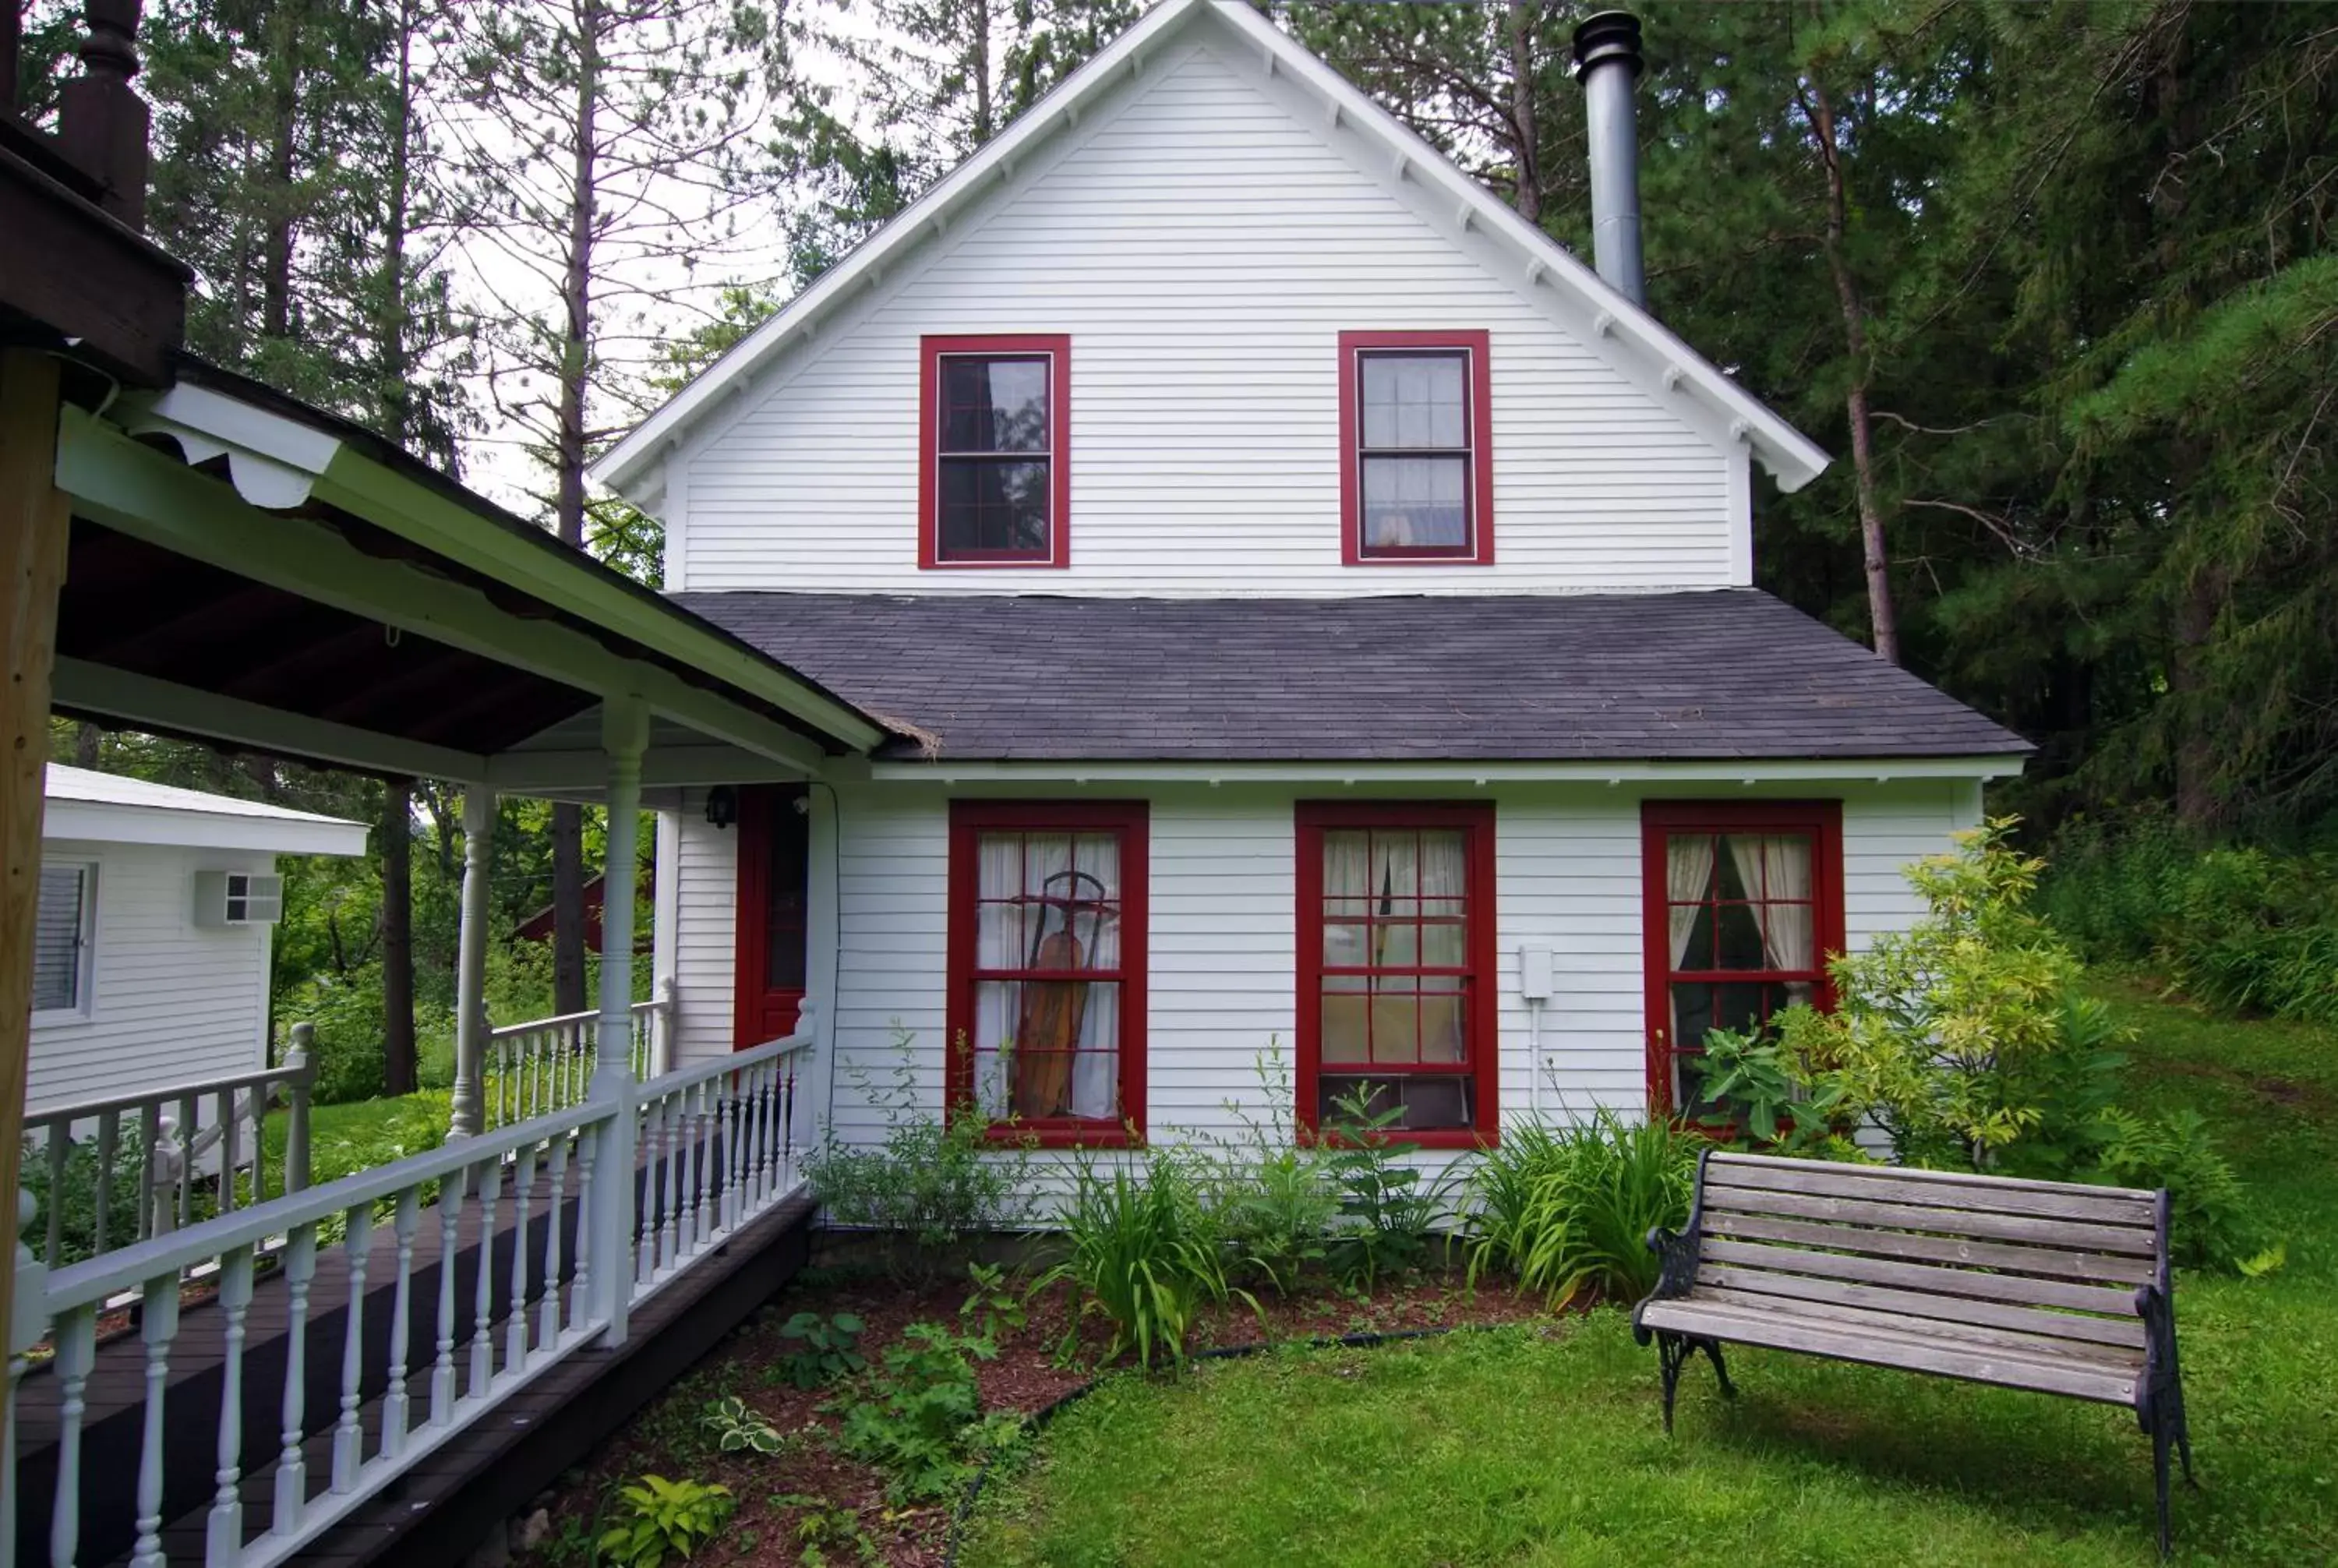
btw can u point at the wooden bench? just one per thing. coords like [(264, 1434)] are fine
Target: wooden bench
[(2041, 1285)]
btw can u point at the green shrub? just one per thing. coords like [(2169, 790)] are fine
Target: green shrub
[(991, 1304), (74, 1201), (2209, 1221), (1767, 1099), (1269, 1191), (922, 1421), (657, 1517), (933, 1183), (1143, 1252), (829, 1348), (1566, 1210), (1389, 1215)]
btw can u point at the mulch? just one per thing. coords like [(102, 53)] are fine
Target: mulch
[(1029, 1375)]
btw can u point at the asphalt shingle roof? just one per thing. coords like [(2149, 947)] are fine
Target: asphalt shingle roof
[(1611, 677)]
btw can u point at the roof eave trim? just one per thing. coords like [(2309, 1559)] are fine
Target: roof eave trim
[(1742, 772)]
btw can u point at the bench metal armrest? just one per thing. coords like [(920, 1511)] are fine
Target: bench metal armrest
[(1678, 1253)]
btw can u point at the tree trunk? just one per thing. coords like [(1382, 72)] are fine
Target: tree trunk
[(1883, 618), (398, 1066), (88, 741), (276, 256), (394, 401), (1528, 196), (984, 130), (576, 368)]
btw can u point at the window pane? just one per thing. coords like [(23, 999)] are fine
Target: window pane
[(1444, 945), (1346, 1018), (1428, 1102), (1047, 1049), (991, 505), (56, 939), (1416, 502), (1415, 401), (994, 405)]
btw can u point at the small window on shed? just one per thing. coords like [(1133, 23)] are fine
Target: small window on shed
[(61, 940)]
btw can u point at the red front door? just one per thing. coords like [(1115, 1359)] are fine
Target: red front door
[(774, 856)]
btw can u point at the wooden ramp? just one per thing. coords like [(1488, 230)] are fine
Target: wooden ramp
[(447, 1502)]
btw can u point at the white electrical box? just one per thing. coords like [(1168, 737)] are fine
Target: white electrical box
[(1534, 973), (237, 898)]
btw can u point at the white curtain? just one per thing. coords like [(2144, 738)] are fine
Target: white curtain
[(1688, 878), (1776, 871)]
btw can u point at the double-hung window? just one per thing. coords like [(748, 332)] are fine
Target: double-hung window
[(1416, 459), (63, 924), (1742, 906), (995, 474), (1046, 967), (1397, 1005)]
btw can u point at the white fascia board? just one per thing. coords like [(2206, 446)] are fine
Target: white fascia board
[(90, 821), (584, 775), (1720, 770), (1659, 360)]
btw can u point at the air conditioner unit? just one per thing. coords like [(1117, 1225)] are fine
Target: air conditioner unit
[(237, 898)]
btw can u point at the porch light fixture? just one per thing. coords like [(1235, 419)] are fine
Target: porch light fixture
[(722, 806)]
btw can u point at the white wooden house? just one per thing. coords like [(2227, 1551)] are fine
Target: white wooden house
[(152, 944), (1316, 614)]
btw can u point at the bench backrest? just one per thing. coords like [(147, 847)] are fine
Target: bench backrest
[(2047, 1258)]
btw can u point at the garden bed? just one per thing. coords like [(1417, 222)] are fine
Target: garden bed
[(811, 1494)]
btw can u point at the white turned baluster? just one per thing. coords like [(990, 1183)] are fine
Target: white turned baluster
[(348, 1437), (77, 1354), (645, 1237), (787, 1128), (395, 1412), (516, 1329), (701, 1157), (108, 1134), (677, 1132), (547, 1310), (292, 1468), (765, 1174), (149, 1125), (188, 1125), (580, 1292), (224, 1538), (228, 1127), (451, 1192), (483, 1304), (159, 1307), (726, 1194)]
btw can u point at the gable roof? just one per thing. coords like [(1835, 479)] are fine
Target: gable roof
[(108, 809), (1729, 673), (1649, 351)]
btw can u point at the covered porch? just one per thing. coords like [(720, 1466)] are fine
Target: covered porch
[(242, 571)]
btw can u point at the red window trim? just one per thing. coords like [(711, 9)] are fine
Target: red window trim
[(1311, 819), (969, 820), (1481, 447), (1823, 819), (933, 350)]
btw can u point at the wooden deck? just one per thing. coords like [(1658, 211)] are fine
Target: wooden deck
[(442, 1508)]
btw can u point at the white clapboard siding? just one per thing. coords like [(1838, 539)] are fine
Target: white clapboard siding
[(169, 1002), (1222, 949), (1204, 243)]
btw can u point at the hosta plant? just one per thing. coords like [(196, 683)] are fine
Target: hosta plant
[(658, 1518)]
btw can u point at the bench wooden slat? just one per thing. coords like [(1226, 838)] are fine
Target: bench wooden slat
[(2123, 1333), (1924, 1330), (2021, 1290), (1886, 1184), (2076, 1236), (2068, 1264), (1723, 1157), (1775, 1331)]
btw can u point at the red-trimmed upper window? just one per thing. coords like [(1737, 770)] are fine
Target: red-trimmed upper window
[(1397, 999), (994, 475), (1742, 906), (1046, 967), (1415, 448)]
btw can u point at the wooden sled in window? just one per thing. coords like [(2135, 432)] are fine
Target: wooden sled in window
[(1053, 1012)]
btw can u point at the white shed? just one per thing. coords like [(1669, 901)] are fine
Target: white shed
[(152, 944)]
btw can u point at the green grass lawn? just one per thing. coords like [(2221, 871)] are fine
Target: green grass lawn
[(362, 1136), (1543, 1444)]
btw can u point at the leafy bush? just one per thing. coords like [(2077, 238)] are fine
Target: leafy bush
[(922, 1418), (1568, 1209), (2208, 1220), (829, 1350), (1143, 1253), (935, 1183), (657, 1516), (1270, 1192), (1767, 1098), (740, 1429), (992, 1304), (74, 1201), (1389, 1216)]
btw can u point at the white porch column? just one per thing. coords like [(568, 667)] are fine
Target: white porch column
[(624, 735), (471, 963)]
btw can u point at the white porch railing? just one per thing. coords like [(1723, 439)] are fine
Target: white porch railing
[(545, 1064), (718, 1146), (203, 1139)]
